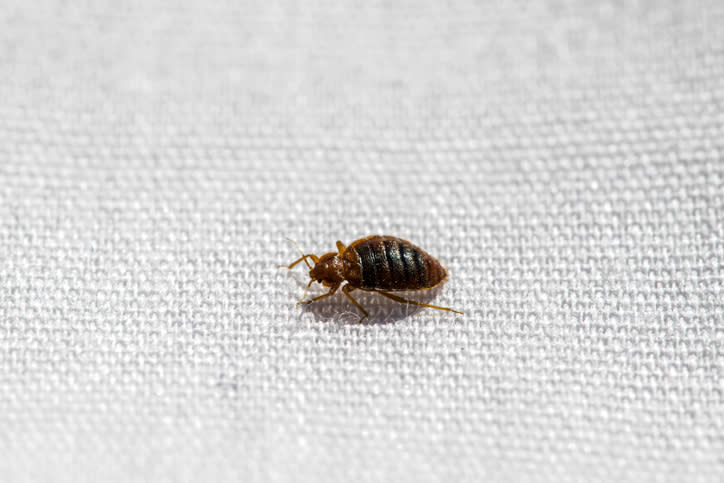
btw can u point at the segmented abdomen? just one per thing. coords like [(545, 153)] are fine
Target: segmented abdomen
[(390, 263)]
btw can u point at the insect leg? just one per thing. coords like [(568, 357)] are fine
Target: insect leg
[(331, 292), (413, 302), (340, 247), (304, 295), (347, 289), (314, 258)]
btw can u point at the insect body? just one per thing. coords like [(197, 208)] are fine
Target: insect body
[(376, 264)]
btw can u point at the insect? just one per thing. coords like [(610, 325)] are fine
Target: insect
[(378, 264)]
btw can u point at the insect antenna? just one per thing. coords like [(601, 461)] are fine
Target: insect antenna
[(304, 257)]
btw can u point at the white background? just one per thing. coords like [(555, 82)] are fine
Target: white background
[(563, 159)]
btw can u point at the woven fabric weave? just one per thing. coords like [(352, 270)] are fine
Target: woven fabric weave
[(564, 160)]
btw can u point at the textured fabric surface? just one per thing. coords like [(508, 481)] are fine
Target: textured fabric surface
[(563, 159)]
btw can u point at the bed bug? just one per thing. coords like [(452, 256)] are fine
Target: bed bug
[(380, 264)]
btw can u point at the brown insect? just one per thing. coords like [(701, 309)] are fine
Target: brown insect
[(374, 264)]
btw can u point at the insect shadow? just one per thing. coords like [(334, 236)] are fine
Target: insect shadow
[(382, 310)]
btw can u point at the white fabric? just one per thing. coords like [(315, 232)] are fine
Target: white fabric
[(563, 159)]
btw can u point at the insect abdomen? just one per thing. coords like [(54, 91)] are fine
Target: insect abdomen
[(390, 263)]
